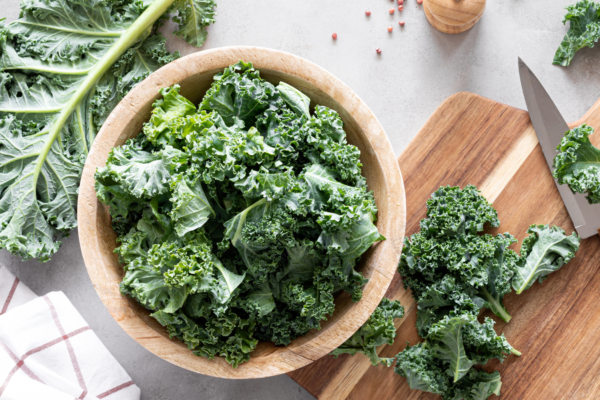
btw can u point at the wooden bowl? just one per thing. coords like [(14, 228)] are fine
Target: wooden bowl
[(195, 74)]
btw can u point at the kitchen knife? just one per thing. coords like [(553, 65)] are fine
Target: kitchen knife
[(550, 128)]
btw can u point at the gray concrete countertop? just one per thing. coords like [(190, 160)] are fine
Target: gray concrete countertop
[(418, 68)]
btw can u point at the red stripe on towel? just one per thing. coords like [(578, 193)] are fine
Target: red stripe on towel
[(115, 389), (69, 347), (13, 289)]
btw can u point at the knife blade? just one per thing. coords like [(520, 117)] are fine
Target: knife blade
[(550, 127)]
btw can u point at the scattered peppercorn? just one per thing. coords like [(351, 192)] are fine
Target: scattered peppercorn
[(420, 1), (392, 10), (390, 29), (378, 50), (401, 23), (368, 13), (400, 2), (334, 36), (400, 8)]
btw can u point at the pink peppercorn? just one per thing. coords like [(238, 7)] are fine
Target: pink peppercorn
[(390, 29), (392, 10), (368, 13), (400, 8), (334, 36), (400, 2), (378, 50), (420, 1), (401, 23)]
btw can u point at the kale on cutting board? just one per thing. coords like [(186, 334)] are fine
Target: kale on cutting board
[(455, 271), (64, 65), (577, 163)]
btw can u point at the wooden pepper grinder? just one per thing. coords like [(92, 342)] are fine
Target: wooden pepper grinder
[(453, 16)]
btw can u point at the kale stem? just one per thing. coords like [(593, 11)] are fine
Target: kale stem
[(516, 352), (497, 308)]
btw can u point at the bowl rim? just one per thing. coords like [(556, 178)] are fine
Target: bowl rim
[(306, 349)]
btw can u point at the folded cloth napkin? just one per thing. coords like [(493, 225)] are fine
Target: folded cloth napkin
[(48, 351)]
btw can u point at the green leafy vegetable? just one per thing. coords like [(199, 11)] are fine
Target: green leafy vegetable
[(193, 18), (378, 330), (447, 335), (545, 250), (455, 271), (64, 65), (449, 267), (584, 30), (239, 220), (578, 163)]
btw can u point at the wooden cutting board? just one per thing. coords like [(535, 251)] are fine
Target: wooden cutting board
[(556, 325)]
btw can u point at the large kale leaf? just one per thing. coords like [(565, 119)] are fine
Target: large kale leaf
[(64, 65), (578, 163), (584, 30), (545, 250)]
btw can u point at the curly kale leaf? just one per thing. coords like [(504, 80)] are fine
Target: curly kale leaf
[(452, 211), (378, 330), (139, 172), (462, 274), (239, 93), (545, 250), (228, 335), (483, 344), (443, 363), (168, 116), (584, 30), (500, 271), (578, 163), (193, 18), (476, 385), (422, 369), (191, 208), (447, 344)]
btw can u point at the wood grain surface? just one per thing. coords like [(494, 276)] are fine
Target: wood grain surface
[(452, 16), (195, 74), (556, 325)]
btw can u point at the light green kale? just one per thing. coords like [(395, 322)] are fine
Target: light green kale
[(378, 330), (584, 30), (64, 66), (193, 17), (545, 250), (578, 163)]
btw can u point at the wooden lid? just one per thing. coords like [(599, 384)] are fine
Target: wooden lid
[(451, 16)]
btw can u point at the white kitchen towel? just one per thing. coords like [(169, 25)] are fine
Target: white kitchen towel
[(48, 352)]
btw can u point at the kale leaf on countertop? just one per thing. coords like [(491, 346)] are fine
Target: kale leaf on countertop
[(584, 30)]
